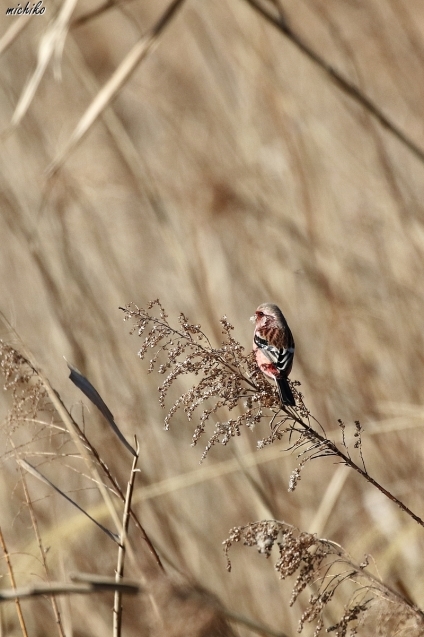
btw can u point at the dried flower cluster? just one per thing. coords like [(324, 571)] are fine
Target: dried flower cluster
[(28, 393), (326, 567), (227, 379)]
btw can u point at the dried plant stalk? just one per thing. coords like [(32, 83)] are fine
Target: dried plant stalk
[(229, 379), (326, 567)]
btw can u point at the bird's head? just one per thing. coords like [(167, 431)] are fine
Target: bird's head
[(266, 315)]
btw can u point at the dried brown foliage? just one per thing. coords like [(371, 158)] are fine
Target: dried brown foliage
[(327, 569), (28, 393), (171, 608), (226, 377), (229, 379)]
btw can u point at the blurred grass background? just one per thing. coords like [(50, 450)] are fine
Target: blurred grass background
[(228, 171)]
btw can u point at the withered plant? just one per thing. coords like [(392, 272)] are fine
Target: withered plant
[(227, 394), (226, 378), (173, 606), (227, 381), (327, 570)]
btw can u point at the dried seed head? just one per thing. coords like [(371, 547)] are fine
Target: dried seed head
[(227, 379)]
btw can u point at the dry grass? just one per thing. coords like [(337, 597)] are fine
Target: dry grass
[(228, 170)]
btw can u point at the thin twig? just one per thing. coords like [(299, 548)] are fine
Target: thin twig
[(63, 588), (332, 449), (70, 424), (40, 547), (117, 606), (82, 443), (121, 495), (33, 471), (13, 582)]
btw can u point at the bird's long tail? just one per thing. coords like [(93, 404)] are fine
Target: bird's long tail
[(286, 394)]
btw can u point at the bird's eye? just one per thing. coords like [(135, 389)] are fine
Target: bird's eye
[(259, 314)]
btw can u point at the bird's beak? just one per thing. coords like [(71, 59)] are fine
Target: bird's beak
[(253, 318)]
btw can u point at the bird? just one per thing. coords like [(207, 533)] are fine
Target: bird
[(273, 346)]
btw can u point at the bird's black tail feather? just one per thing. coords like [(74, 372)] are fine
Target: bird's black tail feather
[(285, 391)]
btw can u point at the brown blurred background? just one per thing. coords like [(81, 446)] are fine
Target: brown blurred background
[(229, 170)]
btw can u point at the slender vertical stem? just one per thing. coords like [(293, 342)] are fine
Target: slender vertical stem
[(13, 582), (42, 551), (117, 606)]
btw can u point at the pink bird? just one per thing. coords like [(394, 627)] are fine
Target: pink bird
[(273, 345)]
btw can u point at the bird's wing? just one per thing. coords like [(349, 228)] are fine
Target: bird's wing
[(282, 358), (270, 351)]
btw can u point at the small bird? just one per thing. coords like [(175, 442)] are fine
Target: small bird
[(273, 345)]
